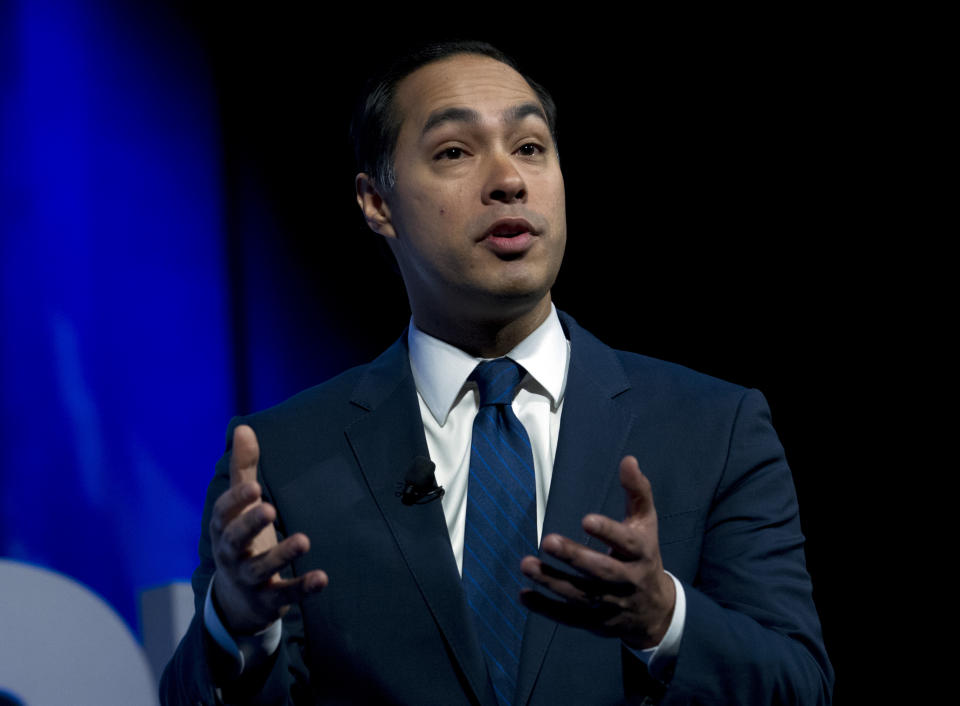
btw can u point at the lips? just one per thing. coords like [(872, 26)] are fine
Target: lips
[(509, 228), (509, 237)]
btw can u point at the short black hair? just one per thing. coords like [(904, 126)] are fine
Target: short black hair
[(376, 125)]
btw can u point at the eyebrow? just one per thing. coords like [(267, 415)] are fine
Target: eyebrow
[(450, 115), (470, 116), (519, 112)]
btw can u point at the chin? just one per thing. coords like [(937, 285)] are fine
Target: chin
[(512, 301)]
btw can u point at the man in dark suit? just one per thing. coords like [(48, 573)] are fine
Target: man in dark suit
[(701, 599)]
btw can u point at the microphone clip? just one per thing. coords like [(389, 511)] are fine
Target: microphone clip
[(419, 486)]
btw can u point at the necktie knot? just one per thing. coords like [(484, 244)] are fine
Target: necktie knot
[(496, 380)]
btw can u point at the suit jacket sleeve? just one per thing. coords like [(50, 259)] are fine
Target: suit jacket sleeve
[(752, 634), (200, 672)]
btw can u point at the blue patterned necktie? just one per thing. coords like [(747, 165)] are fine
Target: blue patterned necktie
[(501, 525)]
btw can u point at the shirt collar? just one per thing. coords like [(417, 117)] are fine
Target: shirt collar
[(440, 369)]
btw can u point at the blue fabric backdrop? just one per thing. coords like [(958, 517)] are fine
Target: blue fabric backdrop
[(116, 372)]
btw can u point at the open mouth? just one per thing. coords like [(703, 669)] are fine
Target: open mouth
[(509, 228), (510, 238)]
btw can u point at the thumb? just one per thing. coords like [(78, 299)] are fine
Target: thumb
[(637, 488), (244, 456)]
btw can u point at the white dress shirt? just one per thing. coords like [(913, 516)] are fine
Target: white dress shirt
[(448, 405)]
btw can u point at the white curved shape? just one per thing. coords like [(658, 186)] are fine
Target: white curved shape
[(60, 643)]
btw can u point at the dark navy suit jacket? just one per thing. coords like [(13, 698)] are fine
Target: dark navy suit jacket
[(393, 625)]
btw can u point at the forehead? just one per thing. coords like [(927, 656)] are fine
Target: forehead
[(464, 80)]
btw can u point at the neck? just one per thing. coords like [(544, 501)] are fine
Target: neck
[(488, 338)]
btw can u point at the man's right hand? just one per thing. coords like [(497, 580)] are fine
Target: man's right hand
[(248, 590)]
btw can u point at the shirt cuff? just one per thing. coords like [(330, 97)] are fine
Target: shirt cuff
[(661, 659), (247, 650)]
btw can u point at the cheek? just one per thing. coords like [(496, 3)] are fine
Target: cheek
[(561, 196)]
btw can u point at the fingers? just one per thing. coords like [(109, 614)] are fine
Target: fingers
[(244, 456), (250, 591), (621, 592), (251, 561), (634, 538), (246, 610), (245, 568), (599, 565), (244, 491), (637, 488), (262, 567), (573, 586), (237, 540), (588, 615), (285, 592), (557, 581), (232, 503)]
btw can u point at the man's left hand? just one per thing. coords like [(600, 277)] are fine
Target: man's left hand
[(622, 593)]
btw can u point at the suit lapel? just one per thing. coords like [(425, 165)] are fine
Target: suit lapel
[(385, 440), (593, 432)]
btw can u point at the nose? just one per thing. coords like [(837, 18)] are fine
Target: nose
[(504, 182)]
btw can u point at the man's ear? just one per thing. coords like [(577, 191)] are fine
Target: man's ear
[(374, 206)]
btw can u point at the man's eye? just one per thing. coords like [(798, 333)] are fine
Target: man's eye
[(450, 153), (530, 149)]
